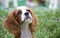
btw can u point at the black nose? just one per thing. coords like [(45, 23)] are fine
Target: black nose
[(27, 14)]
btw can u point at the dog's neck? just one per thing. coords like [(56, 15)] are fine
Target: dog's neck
[(25, 31)]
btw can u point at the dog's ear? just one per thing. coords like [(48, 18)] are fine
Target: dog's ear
[(33, 25), (11, 24)]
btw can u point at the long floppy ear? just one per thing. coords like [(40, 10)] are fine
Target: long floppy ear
[(33, 25), (11, 24)]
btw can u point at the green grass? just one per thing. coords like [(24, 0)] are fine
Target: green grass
[(48, 27), (3, 32), (49, 24)]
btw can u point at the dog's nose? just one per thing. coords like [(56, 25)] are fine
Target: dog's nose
[(26, 14)]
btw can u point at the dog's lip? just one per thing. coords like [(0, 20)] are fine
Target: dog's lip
[(28, 18), (25, 19)]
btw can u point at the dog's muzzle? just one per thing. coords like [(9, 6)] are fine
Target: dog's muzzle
[(27, 15)]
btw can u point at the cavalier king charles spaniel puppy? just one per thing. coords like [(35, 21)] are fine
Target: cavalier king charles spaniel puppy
[(21, 22)]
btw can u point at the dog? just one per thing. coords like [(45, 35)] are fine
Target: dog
[(53, 4), (22, 22)]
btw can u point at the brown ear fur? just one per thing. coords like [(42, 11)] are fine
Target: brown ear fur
[(11, 24), (33, 25)]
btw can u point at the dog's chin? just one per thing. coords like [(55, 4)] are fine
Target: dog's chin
[(27, 20)]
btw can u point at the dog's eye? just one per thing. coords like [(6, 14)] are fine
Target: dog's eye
[(28, 10), (19, 12)]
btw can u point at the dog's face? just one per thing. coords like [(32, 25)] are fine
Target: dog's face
[(24, 14)]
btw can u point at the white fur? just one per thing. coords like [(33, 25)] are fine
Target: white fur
[(23, 8), (25, 31)]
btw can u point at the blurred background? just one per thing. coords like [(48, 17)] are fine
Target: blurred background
[(47, 12)]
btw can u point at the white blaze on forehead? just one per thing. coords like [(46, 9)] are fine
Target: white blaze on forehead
[(23, 8)]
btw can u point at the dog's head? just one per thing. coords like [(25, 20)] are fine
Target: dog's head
[(22, 14)]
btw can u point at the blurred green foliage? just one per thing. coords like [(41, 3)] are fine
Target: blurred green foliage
[(48, 27), (49, 24), (3, 32)]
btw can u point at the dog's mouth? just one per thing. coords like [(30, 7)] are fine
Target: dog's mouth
[(26, 19)]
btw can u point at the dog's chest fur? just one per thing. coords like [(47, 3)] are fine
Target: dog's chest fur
[(25, 31)]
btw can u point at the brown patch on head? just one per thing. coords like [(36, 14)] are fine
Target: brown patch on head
[(33, 25), (28, 10), (17, 15), (19, 12)]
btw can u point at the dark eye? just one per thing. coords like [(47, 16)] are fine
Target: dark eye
[(19, 12), (28, 10)]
